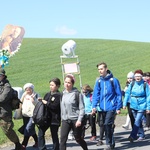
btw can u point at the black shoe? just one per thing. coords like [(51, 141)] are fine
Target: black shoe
[(18, 146), (99, 143), (130, 139)]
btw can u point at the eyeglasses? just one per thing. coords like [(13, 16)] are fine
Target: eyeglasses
[(138, 76), (85, 92)]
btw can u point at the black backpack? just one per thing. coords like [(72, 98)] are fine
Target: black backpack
[(15, 101), (40, 114)]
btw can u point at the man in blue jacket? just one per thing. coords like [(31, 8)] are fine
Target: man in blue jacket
[(107, 93)]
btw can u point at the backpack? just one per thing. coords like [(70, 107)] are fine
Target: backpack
[(111, 81), (15, 101), (144, 86), (40, 114)]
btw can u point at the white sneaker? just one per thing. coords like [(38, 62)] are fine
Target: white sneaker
[(70, 136), (147, 128), (125, 127), (141, 139)]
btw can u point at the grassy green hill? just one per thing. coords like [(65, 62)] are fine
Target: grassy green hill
[(38, 61)]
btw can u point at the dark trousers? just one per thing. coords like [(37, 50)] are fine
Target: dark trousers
[(66, 126), (148, 120), (100, 120), (109, 118), (92, 123), (130, 115), (54, 134)]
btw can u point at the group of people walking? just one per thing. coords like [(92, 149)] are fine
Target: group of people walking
[(74, 110)]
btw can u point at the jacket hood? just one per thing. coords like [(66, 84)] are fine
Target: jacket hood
[(74, 89), (108, 76)]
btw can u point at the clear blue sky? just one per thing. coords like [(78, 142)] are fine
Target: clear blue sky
[(100, 19)]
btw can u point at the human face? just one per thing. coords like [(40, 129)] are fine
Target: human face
[(138, 78), (147, 78), (53, 86), (17, 31), (29, 90), (68, 84), (85, 92), (102, 70), (129, 79)]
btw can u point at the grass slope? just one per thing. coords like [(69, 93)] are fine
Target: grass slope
[(38, 61)]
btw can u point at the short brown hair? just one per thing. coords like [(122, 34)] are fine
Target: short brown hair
[(102, 63), (87, 88)]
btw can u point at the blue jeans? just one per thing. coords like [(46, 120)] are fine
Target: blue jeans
[(109, 118), (29, 129), (137, 128)]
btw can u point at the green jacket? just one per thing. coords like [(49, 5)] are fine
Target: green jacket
[(5, 98)]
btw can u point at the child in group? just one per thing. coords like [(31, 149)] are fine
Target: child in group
[(91, 118)]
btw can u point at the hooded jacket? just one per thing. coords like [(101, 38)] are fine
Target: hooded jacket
[(5, 98), (72, 107), (109, 97), (138, 98)]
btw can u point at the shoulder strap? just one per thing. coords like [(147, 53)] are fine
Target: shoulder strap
[(77, 96), (99, 83), (144, 86), (90, 97), (112, 83), (132, 84)]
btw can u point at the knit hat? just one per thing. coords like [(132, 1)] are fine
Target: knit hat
[(138, 73), (130, 75), (28, 85), (2, 71)]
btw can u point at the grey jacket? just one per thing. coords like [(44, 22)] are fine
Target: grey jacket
[(72, 107), (5, 98)]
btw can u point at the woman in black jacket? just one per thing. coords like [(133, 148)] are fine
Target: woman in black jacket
[(52, 102)]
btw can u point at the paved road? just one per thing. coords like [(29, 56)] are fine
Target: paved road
[(120, 134)]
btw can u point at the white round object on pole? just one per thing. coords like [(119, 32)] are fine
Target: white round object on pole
[(68, 48)]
